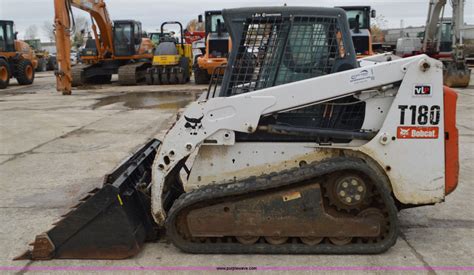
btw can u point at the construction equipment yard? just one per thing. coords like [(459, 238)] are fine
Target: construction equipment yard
[(55, 148), (271, 138)]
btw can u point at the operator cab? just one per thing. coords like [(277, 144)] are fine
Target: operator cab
[(217, 34), (359, 18), (127, 37), (285, 46), (7, 36), (446, 36)]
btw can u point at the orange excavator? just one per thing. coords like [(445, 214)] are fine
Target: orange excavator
[(119, 47)]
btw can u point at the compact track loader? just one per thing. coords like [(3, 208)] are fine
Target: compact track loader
[(299, 150)]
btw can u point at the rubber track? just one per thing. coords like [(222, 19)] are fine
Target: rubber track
[(281, 179)]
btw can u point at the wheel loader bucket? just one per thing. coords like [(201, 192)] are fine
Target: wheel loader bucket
[(109, 223), (456, 77)]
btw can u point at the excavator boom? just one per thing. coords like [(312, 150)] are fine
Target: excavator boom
[(62, 23)]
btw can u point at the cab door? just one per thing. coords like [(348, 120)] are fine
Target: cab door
[(124, 39)]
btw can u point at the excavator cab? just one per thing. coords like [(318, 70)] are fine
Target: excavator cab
[(127, 37)]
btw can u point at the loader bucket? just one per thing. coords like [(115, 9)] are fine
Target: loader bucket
[(456, 76), (109, 223)]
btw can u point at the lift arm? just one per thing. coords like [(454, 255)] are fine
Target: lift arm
[(63, 21)]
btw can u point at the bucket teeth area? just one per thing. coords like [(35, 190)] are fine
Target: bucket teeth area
[(112, 222)]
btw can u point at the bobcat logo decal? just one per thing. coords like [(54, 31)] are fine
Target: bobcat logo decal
[(404, 132), (193, 124)]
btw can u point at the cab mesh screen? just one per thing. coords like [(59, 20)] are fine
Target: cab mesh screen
[(279, 50)]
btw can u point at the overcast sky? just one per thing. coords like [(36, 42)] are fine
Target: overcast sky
[(153, 12)]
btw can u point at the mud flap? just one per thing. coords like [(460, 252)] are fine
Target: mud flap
[(109, 223)]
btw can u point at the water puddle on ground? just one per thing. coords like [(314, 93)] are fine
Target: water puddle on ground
[(151, 100)]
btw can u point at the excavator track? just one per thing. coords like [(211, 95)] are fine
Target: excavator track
[(195, 212), (78, 74), (133, 74)]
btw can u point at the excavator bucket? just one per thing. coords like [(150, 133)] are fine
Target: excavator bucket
[(456, 75), (109, 223)]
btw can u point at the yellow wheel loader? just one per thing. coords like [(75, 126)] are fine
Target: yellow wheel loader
[(45, 61), (300, 150), (171, 60)]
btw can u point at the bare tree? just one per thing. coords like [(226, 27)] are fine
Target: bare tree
[(31, 32), (194, 26), (48, 30), (82, 24), (81, 28), (377, 28)]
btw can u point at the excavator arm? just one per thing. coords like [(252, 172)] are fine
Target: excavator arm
[(430, 43), (64, 24)]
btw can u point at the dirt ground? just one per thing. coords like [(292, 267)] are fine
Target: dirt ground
[(55, 148)]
